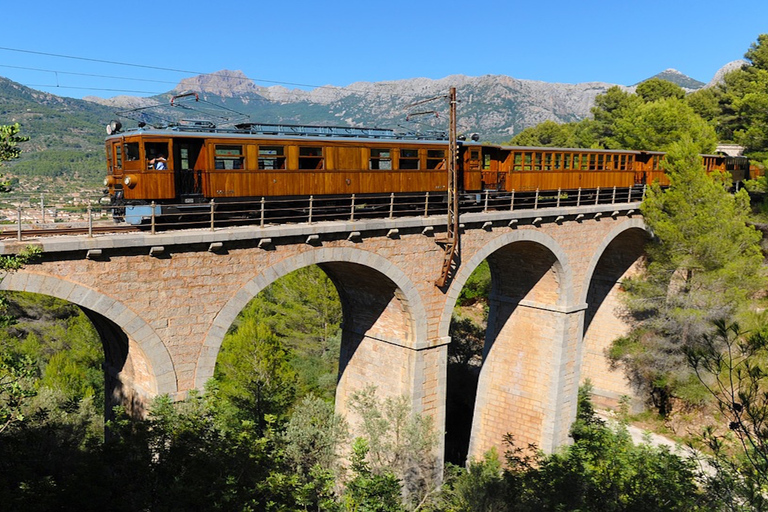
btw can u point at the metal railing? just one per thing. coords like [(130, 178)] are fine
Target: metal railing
[(31, 218)]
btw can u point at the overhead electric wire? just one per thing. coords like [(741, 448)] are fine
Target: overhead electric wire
[(160, 68), (311, 95)]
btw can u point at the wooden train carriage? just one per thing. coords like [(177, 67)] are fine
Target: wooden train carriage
[(530, 168), (231, 165)]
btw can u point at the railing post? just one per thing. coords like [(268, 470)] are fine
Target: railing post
[(578, 198), (426, 205), (536, 201), (485, 205), (352, 209), (613, 196), (213, 215), (90, 220), (597, 196), (42, 208), (18, 218), (153, 217), (261, 215), (311, 206), (558, 198), (391, 205), (629, 195), (644, 187), (512, 201)]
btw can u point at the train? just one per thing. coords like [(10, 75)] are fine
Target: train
[(187, 166)]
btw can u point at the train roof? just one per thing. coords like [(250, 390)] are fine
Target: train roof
[(194, 128)]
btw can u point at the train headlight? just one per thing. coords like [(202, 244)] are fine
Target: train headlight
[(130, 181), (109, 181)]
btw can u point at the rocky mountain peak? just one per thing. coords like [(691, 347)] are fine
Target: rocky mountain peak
[(224, 83)]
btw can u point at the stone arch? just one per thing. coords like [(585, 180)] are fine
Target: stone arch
[(466, 269), (342, 264), (132, 347), (526, 380), (616, 258)]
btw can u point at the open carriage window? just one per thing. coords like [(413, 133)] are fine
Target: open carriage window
[(271, 157), (409, 159), (310, 158), (156, 154), (381, 159), (229, 157), (435, 159)]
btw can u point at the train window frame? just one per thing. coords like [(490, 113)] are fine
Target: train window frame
[(278, 158), (309, 159), (380, 159), (119, 156), (436, 159), (409, 160), (131, 151), (228, 157)]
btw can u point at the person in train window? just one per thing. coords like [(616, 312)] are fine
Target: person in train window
[(159, 162)]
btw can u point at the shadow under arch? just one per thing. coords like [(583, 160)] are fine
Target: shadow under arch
[(137, 363), (378, 301), (617, 257)]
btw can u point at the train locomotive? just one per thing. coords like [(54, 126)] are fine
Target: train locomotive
[(187, 166)]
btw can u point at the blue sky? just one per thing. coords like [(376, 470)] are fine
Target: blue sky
[(339, 42)]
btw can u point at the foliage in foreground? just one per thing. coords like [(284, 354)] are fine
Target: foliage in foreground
[(601, 471)]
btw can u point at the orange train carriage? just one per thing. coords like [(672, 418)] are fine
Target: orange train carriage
[(201, 163)]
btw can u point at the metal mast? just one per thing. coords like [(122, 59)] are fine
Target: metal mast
[(452, 231)]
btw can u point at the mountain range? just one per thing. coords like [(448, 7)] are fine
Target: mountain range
[(494, 106)]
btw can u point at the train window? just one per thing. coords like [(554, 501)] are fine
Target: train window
[(517, 162), (131, 150), (557, 163), (119, 156), (409, 159), (528, 161), (537, 161), (381, 159), (271, 157), (547, 163), (229, 157), (310, 158), (153, 150), (435, 159), (487, 162)]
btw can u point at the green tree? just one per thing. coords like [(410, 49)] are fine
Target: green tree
[(254, 375), (546, 134), (398, 441), (656, 125), (743, 99), (655, 89), (9, 149), (704, 263)]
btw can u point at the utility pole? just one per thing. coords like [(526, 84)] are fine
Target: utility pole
[(451, 239), (452, 230)]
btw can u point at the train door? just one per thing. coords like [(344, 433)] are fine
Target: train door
[(472, 168), (490, 165), (189, 182)]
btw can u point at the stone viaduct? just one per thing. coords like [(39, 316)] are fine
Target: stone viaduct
[(163, 302)]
